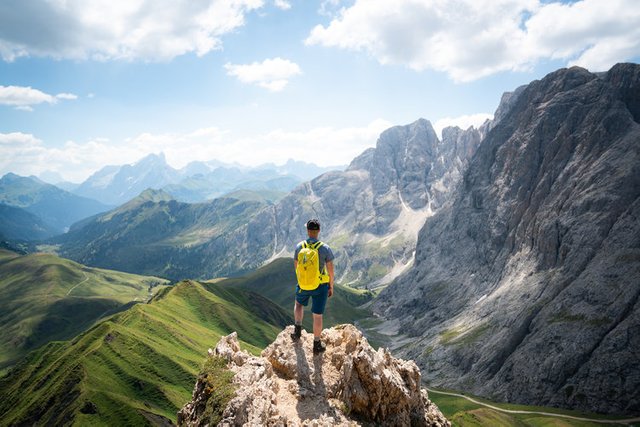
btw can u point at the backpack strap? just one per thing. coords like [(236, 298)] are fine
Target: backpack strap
[(316, 245)]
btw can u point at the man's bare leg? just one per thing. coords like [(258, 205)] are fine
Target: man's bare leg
[(317, 325), (318, 347), (298, 313)]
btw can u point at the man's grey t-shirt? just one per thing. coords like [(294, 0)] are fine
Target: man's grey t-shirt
[(324, 252)]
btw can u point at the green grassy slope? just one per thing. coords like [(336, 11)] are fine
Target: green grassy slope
[(153, 234), (277, 282), (139, 365), (44, 298)]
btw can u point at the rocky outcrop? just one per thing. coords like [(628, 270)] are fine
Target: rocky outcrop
[(526, 285), (350, 384)]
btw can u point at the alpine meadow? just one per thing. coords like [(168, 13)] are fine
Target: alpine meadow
[(326, 212)]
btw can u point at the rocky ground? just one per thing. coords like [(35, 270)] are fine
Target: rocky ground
[(351, 384)]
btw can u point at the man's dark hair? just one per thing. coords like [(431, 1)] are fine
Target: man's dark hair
[(313, 224)]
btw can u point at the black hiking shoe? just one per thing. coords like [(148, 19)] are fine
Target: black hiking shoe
[(297, 332), (318, 347)]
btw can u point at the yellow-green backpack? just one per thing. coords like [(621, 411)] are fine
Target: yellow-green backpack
[(308, 269)]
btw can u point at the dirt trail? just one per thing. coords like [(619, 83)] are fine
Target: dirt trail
[(513, 411)]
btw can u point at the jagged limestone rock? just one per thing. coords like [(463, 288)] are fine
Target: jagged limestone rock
[(350, 384), (526, 285)]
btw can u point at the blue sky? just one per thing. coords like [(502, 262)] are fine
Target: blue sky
[(84, 84)]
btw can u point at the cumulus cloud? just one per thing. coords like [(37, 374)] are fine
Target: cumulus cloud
[(470, 39), (23, 98), (133, 29), (272, 74), (329, 7), (27, 155), (463, 122), (282, 4)]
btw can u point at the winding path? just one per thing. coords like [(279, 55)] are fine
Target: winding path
[(513, 411), (80, 283)]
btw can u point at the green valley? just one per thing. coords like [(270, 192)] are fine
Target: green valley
[(45, 298), (138, 367), (466, 411)]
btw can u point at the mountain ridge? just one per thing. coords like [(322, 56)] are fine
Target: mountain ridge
[(527, 283), (57, 208), (198, 181)]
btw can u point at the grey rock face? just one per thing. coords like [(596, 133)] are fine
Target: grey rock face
[(526, 284)]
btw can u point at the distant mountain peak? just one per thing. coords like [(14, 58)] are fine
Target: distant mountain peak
[(152, 158), (153, 195), (12, 177)]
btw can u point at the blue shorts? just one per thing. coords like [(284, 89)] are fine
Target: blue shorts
[(318, 297)]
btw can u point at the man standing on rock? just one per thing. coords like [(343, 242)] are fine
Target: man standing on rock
[(313, 262)]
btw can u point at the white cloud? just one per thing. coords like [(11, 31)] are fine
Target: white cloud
[(25, 154), (329, 7), (133, 29), (282, 4), (272, 74), (23, 98), (18, 139), (470, 39), (463, 122), (66, 96)]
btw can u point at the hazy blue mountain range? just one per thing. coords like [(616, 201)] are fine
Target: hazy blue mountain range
[(224, 180), (56, 208), (115, 185), (196, 182), (19, 224), (526, 286)]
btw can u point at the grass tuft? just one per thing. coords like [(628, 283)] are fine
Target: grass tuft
[(218, 387)]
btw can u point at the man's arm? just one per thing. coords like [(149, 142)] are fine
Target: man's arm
[(331, 279)]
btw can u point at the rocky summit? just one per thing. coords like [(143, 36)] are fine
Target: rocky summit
[(350, 384), (526, 285)]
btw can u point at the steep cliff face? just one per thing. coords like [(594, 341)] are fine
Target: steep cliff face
[(526, 285), (351, 384), (370, 213)]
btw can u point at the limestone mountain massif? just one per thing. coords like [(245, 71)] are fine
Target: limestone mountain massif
[(351, 384), (526, 284)]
